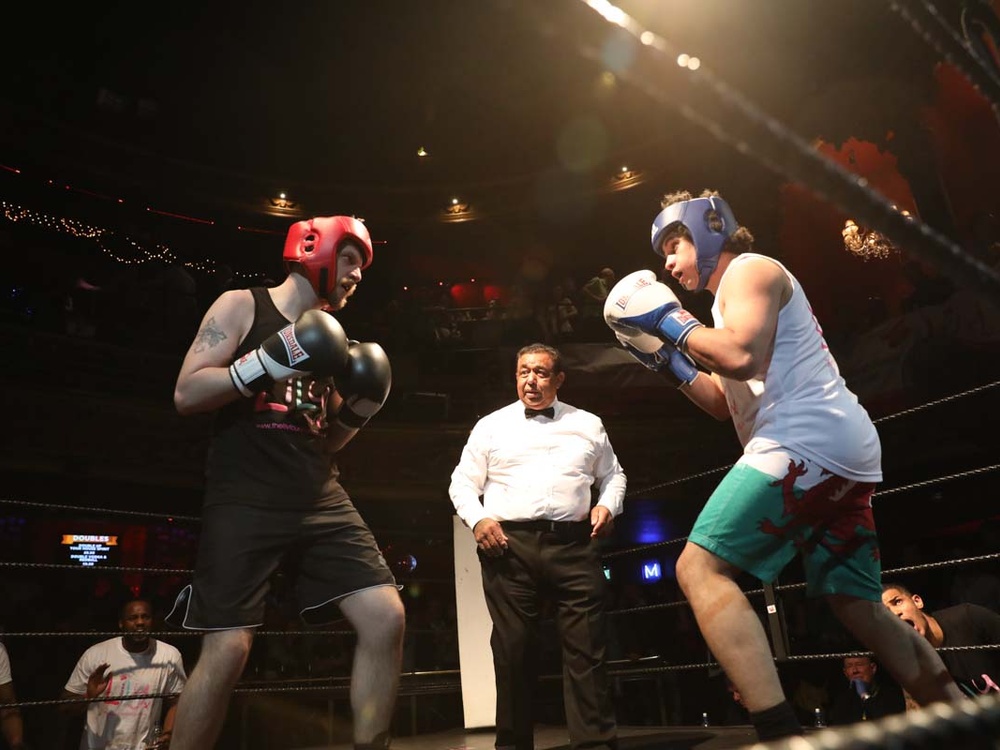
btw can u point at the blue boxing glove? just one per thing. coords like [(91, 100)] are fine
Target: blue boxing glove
[(641, 303), (666, 359)]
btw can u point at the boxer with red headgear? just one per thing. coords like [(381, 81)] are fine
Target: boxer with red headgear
[(315, 243), (811, 454), (290, 390)]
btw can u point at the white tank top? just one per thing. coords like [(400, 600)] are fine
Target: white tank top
[(801, 403)]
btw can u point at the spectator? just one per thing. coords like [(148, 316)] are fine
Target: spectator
[(558, 316), (11, 725), (737, 713), (866, 695), (133, 664), (592, 296), (977, 672)]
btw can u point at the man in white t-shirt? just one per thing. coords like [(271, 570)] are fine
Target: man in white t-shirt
[(11, 726), (129, 666)]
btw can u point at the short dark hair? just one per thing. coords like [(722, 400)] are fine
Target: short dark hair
[(886, 585), (740, 241), (869, 657), (133, 600), (539, 348)]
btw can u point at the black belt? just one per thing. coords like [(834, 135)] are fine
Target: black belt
[(544, 525)]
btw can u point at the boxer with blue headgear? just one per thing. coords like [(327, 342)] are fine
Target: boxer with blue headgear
[(709, 221), (644, 305), (811, 454)]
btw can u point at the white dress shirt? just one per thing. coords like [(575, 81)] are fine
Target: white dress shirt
[(538, 468)]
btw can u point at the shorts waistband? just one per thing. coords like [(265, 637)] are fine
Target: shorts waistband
[(544, 525)]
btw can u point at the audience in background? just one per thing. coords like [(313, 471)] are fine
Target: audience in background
[(977, 672), (737, 710), (78, 302), (133, 664), (592, 296), (11, 725), (866, 694), (686, 695), (558, 316)]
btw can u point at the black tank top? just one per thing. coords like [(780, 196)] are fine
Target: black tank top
[(272, 449)]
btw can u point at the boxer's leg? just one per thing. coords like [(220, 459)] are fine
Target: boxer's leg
[(378, 617), (730, 626), (906, 655), (205, 698)]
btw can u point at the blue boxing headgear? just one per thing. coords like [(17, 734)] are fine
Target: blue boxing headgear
[(695, 215)]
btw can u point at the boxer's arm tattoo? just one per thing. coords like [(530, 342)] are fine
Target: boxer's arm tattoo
[(209, 336)]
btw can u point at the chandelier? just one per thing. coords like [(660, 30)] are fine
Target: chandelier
[(868, 244)]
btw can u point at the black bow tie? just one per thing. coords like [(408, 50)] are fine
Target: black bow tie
[(549, 412)]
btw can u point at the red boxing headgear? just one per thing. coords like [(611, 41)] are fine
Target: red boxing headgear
[(314, 244)]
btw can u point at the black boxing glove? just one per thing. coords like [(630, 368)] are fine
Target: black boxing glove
[(315, 344), (364, 385)]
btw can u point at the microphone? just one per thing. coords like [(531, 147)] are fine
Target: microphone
[(861, 687)]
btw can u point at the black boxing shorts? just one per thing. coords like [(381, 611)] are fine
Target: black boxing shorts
[(329, 553)]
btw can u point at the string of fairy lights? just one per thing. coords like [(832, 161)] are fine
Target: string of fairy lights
[(114, 245)]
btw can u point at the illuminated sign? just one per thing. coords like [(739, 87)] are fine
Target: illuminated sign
[(89, 549), (651, 571)]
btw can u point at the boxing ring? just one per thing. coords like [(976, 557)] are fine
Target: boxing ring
[(321, 702), (692, 92)]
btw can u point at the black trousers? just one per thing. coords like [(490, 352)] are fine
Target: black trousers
[(562, 564)]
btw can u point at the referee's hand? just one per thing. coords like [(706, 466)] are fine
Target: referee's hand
[(602, 523), (490, 537)]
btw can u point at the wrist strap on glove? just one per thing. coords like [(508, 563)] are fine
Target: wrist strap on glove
[(248, 374), (668, 361)]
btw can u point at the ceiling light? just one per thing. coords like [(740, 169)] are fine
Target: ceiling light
[(626, 177), (458, 210)]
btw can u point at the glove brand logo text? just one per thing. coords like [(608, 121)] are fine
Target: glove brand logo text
[(622, 302), (295, 352)]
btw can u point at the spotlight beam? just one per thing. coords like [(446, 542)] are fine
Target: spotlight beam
[(707, 101)]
